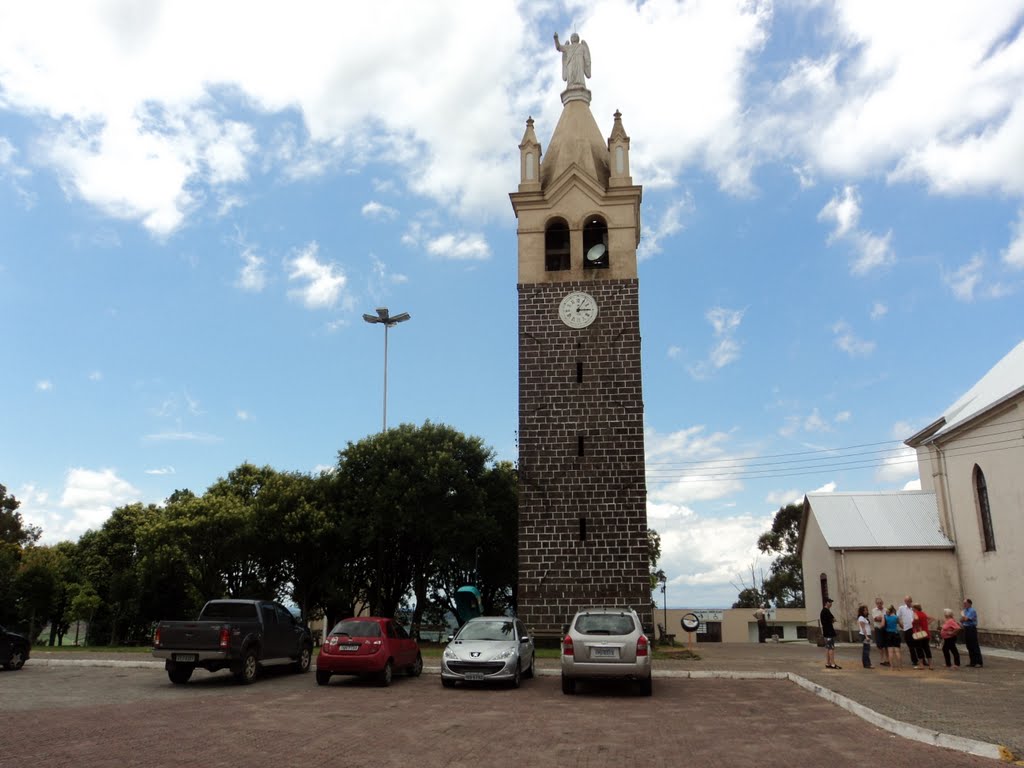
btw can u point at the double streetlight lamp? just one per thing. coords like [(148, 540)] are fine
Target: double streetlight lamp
[(383, 318)]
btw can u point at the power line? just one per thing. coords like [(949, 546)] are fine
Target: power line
[(696, 475)]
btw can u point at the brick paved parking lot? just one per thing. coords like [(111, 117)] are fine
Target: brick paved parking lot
[(60, 716)]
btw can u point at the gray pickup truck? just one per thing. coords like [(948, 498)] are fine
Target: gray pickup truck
[(240, 635)]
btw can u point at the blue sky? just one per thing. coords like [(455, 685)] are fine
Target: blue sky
[(198, 202)]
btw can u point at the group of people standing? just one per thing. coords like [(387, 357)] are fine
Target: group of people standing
[(893, 627)]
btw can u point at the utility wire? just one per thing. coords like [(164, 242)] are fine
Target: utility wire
[(698, 474)]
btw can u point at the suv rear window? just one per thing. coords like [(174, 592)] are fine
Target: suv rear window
[(357, 628), (227, 610), (605, 624)]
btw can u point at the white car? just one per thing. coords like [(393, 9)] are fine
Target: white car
[(606, 643), (488, 648)]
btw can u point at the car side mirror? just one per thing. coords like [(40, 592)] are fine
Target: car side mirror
[(565, 629), (450, 638), (524, 639)]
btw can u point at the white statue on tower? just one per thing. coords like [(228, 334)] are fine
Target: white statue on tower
[(575, 61)]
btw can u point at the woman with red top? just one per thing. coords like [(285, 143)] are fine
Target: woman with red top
[(950, 627), (924, 649)]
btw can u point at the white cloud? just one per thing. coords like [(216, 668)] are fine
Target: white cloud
[(849, 342), (90, 496), (1013, 256), (462, 247), (673, 351), (180, 436), (726, 349), (242, 415), (95, 376), (879, 310), (914, 90), (782, 498), (968, 281), (689, 465), (168, 470), (324, 282), (842, 417), (379, 211), (709, 552), (669, 224), (871, 251), (899, 465), (912, 485), (843, 210), (252, 277), (44, 385), (815, 423)]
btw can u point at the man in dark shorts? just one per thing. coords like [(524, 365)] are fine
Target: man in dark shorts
[(828, 633)]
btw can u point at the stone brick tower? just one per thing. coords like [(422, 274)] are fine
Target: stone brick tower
[(582, 494)]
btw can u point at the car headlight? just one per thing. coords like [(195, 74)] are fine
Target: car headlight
[(505, 653), (450, 654)]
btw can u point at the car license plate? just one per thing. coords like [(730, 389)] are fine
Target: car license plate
[(185, 657), (474, 675), (348, 647), (604, 653)]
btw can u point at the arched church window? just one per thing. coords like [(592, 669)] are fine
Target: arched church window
[(595, 243), (984, 511), (556, 246)]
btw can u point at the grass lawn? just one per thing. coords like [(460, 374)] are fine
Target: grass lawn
[(40, 649)]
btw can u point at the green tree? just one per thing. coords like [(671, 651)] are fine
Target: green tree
[(482, 550), (412, 488), (785, 582), (15, 535)]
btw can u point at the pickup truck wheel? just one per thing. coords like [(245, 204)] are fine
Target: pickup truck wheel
[(246, 673), (385, 674), (17, 661), (322, 678), (302, 663), (179, 674), (416, 668)]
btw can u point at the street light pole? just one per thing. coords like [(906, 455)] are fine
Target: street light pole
[(387, 320)]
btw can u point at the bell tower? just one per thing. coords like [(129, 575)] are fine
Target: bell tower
[(582, 491)]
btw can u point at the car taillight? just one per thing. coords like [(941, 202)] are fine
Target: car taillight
[(567, 649), (225, 637), (156, 638), (641, 646)]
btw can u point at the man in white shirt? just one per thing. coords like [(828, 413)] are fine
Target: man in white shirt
[(905, 615)]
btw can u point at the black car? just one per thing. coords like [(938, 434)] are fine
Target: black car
[(13, 649)]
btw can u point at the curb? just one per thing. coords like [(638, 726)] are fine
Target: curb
[(897, 727)]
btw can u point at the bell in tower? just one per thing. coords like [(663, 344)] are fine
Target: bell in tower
[(582, 491)]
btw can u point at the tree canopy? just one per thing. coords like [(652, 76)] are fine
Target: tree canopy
[(416, 511), (785, 583)]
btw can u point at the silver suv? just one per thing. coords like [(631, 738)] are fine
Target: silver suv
[(606, 643)]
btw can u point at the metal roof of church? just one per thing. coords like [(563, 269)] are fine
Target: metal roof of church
[(887, 520), (1005, 380)]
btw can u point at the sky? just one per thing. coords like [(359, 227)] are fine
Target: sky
[(198, 202)]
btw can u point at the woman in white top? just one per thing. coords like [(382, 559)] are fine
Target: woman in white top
[(864, 624)]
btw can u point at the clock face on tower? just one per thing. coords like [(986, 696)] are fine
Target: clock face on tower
[(578, 309)]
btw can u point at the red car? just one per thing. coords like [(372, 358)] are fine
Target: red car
[(368, 645)]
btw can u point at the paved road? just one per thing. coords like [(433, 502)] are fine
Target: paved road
[(63, 716)]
